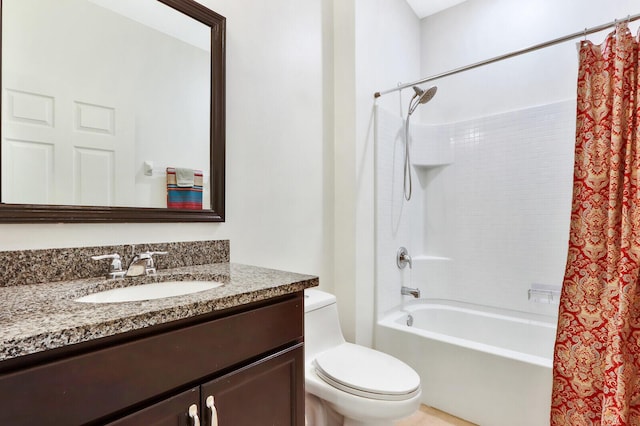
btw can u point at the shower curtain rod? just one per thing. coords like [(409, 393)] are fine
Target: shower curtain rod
[(582, 33)]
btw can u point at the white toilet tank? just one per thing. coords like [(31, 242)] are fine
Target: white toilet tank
[(321, 324)]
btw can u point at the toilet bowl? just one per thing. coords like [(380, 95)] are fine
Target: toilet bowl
[(348, 384)]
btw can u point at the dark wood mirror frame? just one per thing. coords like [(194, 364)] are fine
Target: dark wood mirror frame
[(40, 213)]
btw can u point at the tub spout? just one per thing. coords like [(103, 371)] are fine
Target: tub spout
[(408, 291)]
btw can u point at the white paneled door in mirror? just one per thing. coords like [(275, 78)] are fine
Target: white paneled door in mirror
[(57, 149), (93, 90), (28, 146)]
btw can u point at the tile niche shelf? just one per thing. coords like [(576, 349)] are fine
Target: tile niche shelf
[(430, 152)]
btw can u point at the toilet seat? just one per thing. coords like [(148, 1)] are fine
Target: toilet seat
[(367, 373)]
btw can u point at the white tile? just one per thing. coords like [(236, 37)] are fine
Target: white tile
[(500, 210)]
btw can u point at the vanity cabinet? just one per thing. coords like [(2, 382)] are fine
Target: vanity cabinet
[(259, 394), (250, 359), (172, 411)]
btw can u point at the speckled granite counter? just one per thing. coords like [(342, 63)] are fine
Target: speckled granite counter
[(38, 317)]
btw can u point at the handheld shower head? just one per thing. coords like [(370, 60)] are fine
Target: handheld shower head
[(421, 97), (427, 95)]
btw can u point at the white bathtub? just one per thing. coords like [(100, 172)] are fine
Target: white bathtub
[(488, 366)]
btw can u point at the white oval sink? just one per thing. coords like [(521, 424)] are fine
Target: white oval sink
[(149, 291)]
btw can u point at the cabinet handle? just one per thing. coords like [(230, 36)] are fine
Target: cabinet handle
[(193, 413), (214, 413)]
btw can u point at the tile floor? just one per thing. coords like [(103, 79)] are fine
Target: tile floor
[(428, 416)]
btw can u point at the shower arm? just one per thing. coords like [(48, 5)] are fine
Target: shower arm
[(568, 37)]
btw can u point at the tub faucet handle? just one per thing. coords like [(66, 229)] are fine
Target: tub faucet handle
[(402, 258)]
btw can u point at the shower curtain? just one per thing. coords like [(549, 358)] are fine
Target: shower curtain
[(596, 372)]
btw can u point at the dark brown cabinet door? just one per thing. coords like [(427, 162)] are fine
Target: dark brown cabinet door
[(269, 392), (170, 412)]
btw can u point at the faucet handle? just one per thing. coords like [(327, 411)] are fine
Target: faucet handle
[(152, 253), (106, 256), (116, 263), (148, 255), (115, 269), (402, 258)]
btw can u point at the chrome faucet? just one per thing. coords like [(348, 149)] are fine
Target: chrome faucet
[(409, 291), (142, 263), (403, 258), (115, 269)]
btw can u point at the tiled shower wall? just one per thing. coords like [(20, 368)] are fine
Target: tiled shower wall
[(392, 216), (494, 221)]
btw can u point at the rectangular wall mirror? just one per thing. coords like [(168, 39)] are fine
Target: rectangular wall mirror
[(104, 104)]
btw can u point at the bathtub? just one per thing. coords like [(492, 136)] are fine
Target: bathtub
[(491, 367)]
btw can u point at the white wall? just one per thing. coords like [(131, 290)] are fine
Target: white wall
[(381, 49), (277, 168), (481, 29), (278, 178)]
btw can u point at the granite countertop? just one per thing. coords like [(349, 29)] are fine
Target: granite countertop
[(38, 317)]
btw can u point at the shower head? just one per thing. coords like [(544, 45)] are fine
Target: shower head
[(421, 97), (427, 95)]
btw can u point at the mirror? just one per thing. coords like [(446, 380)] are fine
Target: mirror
[(110, 109)]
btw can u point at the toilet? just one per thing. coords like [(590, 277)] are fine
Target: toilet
[(348, 384)]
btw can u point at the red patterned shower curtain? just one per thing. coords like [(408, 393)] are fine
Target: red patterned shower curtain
[(596, 371)]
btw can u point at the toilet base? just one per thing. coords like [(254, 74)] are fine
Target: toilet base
[(350, 422), (317, 413)]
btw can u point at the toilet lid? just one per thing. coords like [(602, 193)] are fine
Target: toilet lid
[(366, 372)]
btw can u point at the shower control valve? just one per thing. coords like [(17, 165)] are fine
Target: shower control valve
[(402, 258)]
